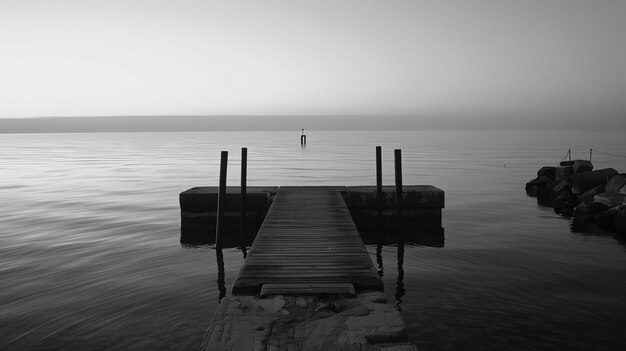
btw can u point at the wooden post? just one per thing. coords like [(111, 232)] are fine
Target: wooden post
[(379, 187), (242, 198), (399, 194), (221, 197)]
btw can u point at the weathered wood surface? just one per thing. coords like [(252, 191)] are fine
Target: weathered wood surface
[(308, 237)]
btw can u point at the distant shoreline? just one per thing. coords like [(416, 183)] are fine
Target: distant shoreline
[(120, 124)]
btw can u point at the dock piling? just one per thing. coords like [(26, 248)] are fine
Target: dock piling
[(242, 198), (221, 197), (379, 186), (399, 193)]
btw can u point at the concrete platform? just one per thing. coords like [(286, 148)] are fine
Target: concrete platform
[(313, 323)]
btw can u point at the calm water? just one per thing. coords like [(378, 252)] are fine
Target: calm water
[(90, 255)]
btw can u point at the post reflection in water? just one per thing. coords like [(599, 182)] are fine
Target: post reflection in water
[(379, 259), (414, 233), (400, 290), (221, 285)]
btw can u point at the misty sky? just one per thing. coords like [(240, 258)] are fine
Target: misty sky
[(152, 57)]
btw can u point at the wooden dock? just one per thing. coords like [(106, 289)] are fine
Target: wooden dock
[(308, 244)]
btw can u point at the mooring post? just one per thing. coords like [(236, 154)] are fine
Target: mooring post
[(379, 187), (242, 198), (221, 197), (303, 138), (590, 151), (399, 192)]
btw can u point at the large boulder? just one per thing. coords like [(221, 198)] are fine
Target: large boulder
[(564, 202), (616, 184), (582, 182), (563, 173), (588, 196), (606, 219), (559, 187), (580, 166), (540, 186), (610, 199), (587, 210), (547, 171)]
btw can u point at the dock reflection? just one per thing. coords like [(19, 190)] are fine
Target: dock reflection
[(379, 259), (430, 235)]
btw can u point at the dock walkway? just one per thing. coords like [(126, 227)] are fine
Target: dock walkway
[(307, 244)]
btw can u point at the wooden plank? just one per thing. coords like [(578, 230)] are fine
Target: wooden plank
[(308, 239), (307, 289)]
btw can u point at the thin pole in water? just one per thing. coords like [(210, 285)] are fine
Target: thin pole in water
[(221, 199)]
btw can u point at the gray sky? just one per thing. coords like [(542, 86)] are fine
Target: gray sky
[(499, 58)]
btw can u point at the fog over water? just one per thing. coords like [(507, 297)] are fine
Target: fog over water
[(555, 62)]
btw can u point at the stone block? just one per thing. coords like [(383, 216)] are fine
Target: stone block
[(563, 173), (565, 202), (588, 195), (580, 166), (606, 219), (582, 182), (616, 184), (610, 199), (540, 186), (547, 171)]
